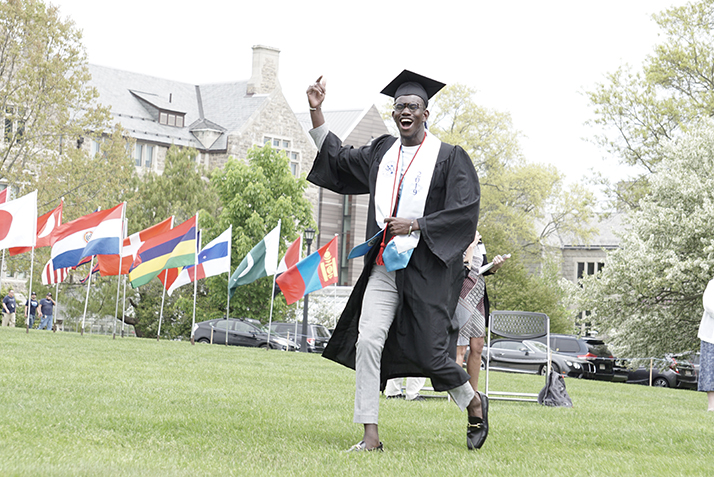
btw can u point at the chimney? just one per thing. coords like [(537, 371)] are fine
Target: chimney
[(264, 78)]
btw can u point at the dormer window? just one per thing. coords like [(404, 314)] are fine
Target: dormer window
[(171, 119)]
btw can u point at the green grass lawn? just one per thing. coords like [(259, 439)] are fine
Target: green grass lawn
[(90, 405)]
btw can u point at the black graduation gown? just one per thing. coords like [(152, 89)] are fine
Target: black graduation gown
[(422, 338)]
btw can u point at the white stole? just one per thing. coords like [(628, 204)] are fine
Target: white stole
[(415, 188)]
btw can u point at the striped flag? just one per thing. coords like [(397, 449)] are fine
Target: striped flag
[(50, 276), (213, 259), (312, 273)]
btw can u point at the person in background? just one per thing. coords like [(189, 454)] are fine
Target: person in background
[(31, 310), (472, 311), (414, 385), (8, 308), (46, 310), (706, 334)]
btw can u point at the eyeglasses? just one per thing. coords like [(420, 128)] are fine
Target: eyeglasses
[(399, 107)]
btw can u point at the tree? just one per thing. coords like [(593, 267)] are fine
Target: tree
[(46, 104), (640, 110), (254, 197), (523, 205), (649, 296), (182, 190)]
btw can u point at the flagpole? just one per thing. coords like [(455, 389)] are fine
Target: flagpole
[(121, 255), (163, 296), (123, 307), (86, 300), (195, 283), (272, 293), (228, 290), (32, 267), (57, 301)]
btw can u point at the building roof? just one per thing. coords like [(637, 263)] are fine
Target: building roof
[(345, 123), (608, 229), (135, 100)]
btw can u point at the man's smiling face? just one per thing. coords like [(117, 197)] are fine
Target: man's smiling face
[(410, 122)]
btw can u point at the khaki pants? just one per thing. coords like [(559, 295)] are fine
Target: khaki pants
[(8, 319)]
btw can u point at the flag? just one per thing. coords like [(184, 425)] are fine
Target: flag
[(84, 261), (95, 234), (260, 262), (310, 274), (213, 259), (18, 223), (291, 257), (50, 276), (172, 249), (109, 264), (94, 270), (46, 224), (3, 195)]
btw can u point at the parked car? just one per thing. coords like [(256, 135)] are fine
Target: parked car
[(240, 333), (591, 349), (317, 335), (671, 372), (532, 357)]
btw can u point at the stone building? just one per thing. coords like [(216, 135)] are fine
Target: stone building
[(219, 120)]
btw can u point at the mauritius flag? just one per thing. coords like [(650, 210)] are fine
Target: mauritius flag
[(310, 274), (175, 248)]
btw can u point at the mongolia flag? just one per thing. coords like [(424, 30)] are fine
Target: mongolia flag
[(46, 224), (109, 264), (310, 274), (18, 222), (261, 261), (50, 276), (98, 233), (173, 249), (213, 259)]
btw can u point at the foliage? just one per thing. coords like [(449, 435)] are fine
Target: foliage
[(131, 407), (642, 109), (649, 296), (43, 94), (255, 195), (524, 206), (182, 190)]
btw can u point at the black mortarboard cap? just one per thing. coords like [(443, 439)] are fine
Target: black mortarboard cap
[(408, 82)]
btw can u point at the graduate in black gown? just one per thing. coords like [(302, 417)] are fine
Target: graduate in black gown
[(415, 332)]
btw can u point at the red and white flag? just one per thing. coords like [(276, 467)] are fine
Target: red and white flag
[(18, 223), (109, 264), (3, 195), (50, 276), (291, 257), (45, 225)]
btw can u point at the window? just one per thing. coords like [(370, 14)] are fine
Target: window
[(14, 124), (589, 268), (283, 144), (143, 155), (171, 119)]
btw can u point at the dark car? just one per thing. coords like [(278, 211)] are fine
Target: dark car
[(317, 335), (240, 333), (591, 349), (532, 357), (670, 372)]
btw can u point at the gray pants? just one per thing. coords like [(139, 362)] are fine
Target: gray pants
[(379, 306)]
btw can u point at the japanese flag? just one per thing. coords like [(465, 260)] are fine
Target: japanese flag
[(18, 222)]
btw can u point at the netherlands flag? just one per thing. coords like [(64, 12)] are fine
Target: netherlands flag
[(99, 233), (314, 272)]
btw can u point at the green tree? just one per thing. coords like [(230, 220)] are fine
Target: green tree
[(44, 97), (254, 197), (638, 110), (523, 205), (182, 190), (649, 296)]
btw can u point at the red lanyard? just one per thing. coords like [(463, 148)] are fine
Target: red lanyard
[(380, 260)]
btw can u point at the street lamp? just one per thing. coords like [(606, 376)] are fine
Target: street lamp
[(309, 235)]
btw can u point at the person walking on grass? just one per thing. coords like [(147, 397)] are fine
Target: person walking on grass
[(423, 210), (47, 305), (8, 309)]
